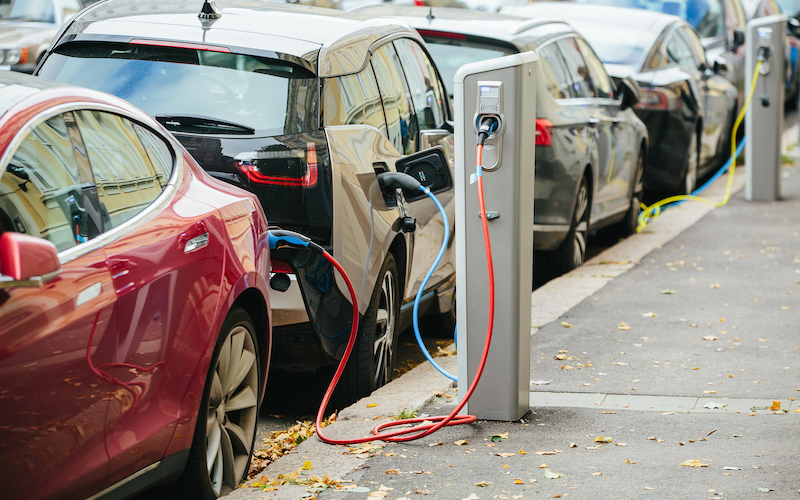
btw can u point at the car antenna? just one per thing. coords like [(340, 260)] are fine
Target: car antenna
[(430, 17), (209, 11)]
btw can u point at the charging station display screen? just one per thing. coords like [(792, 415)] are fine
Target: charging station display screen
[(487, 91)]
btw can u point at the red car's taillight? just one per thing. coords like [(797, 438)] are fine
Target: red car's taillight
[(306, 180), (279, 266), (663, 99), (544, 132)]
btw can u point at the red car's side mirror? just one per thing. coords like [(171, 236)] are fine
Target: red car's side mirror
[(26, 261)]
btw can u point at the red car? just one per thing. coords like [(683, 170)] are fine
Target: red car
[(134, 310)]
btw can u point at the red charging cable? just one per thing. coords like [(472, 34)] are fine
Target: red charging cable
[(427, 425)]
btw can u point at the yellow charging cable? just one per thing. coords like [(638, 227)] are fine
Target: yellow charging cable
[(650, 213)]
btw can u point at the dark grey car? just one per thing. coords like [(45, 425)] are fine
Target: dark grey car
[(589, 142), (686, 102)]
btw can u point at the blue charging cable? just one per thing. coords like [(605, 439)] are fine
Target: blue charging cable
[(418, 298)]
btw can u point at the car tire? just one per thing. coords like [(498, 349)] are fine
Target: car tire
[(689, 182), (572, 251), (371, 364), (226, 424)]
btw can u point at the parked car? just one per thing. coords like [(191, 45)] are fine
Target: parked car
[(27, 27), (301, 106), (762, 8), (134, 310), (720, 24), (589, 143), (686, 102)]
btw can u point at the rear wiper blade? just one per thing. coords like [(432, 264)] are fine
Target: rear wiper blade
[(183, 122)]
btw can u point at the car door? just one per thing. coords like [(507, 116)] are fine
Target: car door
[(55, 341), (624, 135), (611, 186), (562, 157), (431, 106), (166, 264), (714, 89)]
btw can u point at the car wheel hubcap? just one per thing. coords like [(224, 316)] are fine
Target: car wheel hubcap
[(385, 318), (232, 411), (581, 226)]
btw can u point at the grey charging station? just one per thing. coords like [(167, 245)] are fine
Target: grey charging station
[(764, 120), (506, 89)]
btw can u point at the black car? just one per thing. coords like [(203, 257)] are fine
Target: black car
[(590, 145), (304, 107), (686, 102)]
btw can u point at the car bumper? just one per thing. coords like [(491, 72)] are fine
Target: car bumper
[(288, 307)]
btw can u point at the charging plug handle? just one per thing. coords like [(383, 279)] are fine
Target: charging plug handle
[(279, 238), (488, 124), (394, 180)]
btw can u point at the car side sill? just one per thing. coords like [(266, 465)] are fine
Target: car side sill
[(165, 470), (551, 228)]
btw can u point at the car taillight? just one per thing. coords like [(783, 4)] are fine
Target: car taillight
[(544, 132), (251, 167), (279, 266), (663, 99), (419, 3)]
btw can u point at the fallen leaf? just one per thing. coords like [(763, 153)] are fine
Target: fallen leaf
[(371, 405), (715, 285), (710, 392), (378, 494), (731, 468), (440, 443), (393, 471), (307, 465), (482, 484), (623, 326), (499, 437), (546, 452), (776, 405), (519, 481), (597, 473), (620, 363), (649, 315), (714, 406), (460, 442), (694, 463), (667, 292), (693, 325), (709, 337), (543, 466), (565, 324), (573, 445), (551, 475), (609, 413), (696, 368), (766, 490), (567, 367), (523, 452), (629, 462), (620, 444), (602, 439), (505, 455), (648, 488)]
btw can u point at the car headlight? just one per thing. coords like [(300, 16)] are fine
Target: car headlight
[(14, 56)]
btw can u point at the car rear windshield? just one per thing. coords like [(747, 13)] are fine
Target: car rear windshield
[(705, 16), (195, 91), (615, 46), (451, 54)]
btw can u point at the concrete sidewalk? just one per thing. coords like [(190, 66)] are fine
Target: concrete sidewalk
[(675, 334)]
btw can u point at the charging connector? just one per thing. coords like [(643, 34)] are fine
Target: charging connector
[(487, 125)]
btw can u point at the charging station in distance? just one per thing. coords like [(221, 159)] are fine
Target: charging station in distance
[(764, 120)]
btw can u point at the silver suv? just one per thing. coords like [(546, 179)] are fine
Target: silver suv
[(303, 107)]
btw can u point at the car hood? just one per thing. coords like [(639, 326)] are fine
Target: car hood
[(13, 34)]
